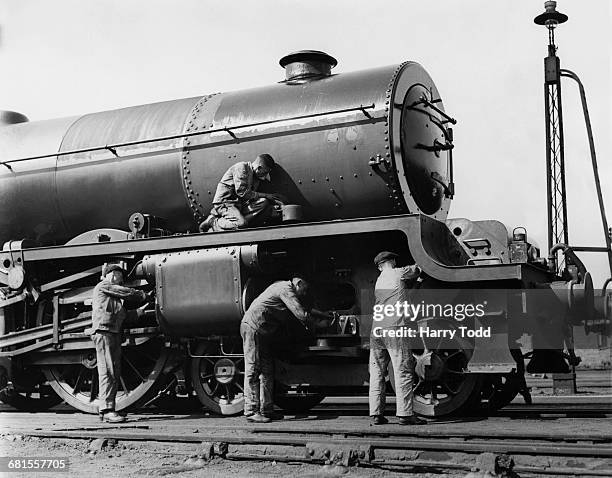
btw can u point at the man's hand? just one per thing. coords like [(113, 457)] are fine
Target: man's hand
[(274, 197), (140, 311), (321, 320)]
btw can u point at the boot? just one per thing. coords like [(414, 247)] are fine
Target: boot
[(411, 420), (257, 418), (207, 223), (272, 415), (379, 420), (113, 417)]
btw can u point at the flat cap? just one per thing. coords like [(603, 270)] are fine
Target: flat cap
[(384, 256), (114, 267)]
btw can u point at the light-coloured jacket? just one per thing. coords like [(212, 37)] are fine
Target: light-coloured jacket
[(238, 184), (275, 305), (391, 288), (108, 312)]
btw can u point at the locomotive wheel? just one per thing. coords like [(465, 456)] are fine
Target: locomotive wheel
[(39, 400), (499, 390), (441, 385), (141, 375), (218, 379), (33, 396), (295, 402)]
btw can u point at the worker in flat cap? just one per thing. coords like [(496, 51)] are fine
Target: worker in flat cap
[(392, 287), (268, 313), (108, 314), (239, 201)]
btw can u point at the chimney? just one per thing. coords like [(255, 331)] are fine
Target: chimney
[(307, 65)]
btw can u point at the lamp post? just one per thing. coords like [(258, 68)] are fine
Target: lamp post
[(555, 157)]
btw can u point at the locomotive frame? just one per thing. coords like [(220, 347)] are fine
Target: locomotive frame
[(204, 282)]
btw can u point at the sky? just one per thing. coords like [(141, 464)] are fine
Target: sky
[(70, 57)]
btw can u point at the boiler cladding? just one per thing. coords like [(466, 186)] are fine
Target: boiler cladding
[(348, 145)]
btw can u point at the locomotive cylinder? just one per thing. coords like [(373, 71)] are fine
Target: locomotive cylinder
[(347, 145), (201, 292)]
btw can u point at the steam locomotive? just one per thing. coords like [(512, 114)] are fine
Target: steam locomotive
[(367, 158)]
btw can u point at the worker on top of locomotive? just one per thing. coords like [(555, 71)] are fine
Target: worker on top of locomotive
[(390, 289), (108, 315), (239, 201), (261, 322)]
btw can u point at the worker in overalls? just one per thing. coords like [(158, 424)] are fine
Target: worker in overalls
[(261, 322), (238, 202), (391, 289), (108, 314)]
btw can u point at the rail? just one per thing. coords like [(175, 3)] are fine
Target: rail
[(358, 446)]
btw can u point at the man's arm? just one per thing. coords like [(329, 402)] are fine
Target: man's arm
[(410, 272), (295, 307), (244, 190), (122, 292), (320, 319)]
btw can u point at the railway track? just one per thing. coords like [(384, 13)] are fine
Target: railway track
[(385, 446), (569, 410)]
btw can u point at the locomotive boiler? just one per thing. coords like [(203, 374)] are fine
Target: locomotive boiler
[(367, 156)]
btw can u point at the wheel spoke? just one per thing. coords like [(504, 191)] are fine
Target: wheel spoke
[(453, 354), (125, 389), (425, 349), (134, 368), (430, 397), (77, 383), (94, 385), (215, 389), (454, 372), (450, 390)]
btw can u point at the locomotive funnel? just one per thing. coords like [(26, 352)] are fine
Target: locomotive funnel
[(307, 64)]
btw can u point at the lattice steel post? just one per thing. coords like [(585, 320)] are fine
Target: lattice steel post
[(555, 159)]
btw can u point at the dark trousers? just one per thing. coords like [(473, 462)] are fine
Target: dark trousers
[(258, 372), (108, 351)]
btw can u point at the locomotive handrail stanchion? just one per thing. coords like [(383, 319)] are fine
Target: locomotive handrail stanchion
[(231, 133), (112, 150), (113, 147)]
